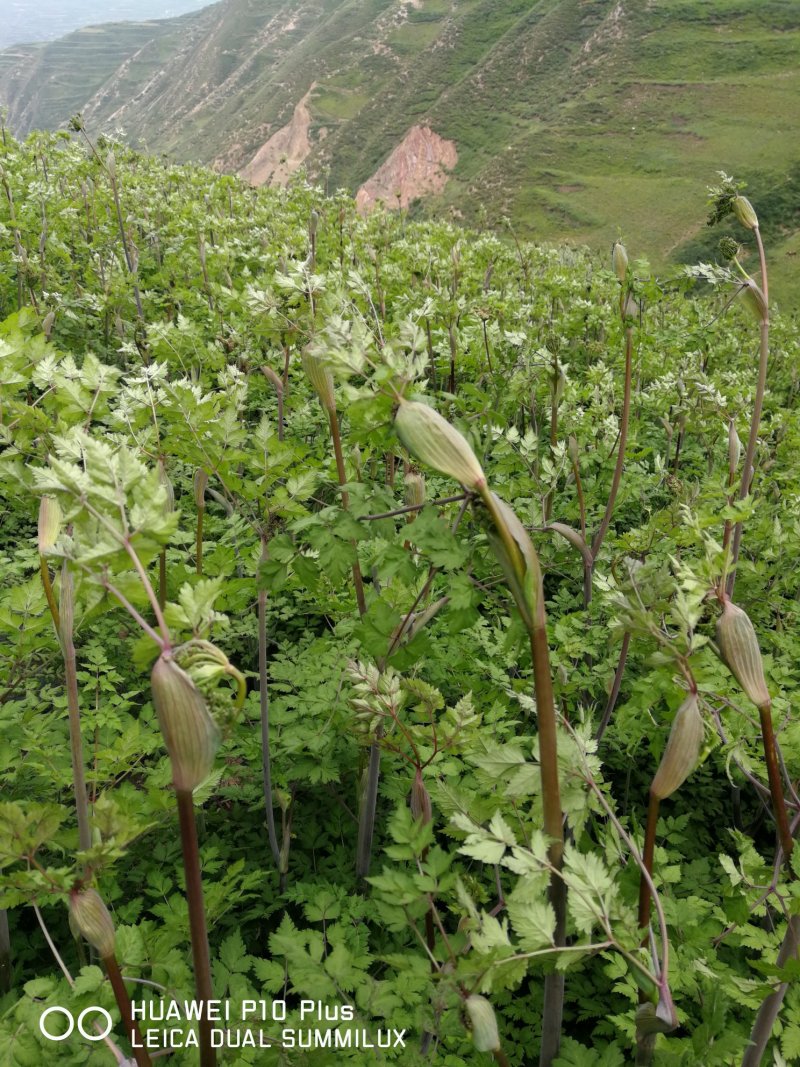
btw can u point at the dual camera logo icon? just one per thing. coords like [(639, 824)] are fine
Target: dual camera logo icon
[(94, 1034)]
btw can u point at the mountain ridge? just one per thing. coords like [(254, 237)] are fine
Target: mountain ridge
[(572, 118)]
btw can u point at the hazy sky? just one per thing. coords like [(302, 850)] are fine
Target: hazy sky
[(40, 20)]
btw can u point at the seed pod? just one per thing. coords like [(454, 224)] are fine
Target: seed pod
[(415, 488), (93, 921), (738, 646), (200, 484), (753, 297), (163, 477), (433, 441), (49, 523), (619, 260), (190, 734), (743, 210), (682, 751), (483, 1023), (321, 378)]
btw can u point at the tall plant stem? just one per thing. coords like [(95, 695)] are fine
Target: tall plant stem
[(74, 711), (337, 450), (367, 809), (648, 855), (554, 827), (197, 921), (771, 1005), (600, 536), (615, 687), (140, 1053), (755, 421), (5, 953), (162, 578), (263, 693), (775, 784)]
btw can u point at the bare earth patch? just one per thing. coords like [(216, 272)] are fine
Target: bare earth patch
[(284, 152), (417, 167)]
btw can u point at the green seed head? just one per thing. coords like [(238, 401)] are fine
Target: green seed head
[(190, 734), (738, 646), (434, 442), (91, 917), (483, 1023), (728, 249), (682, 751)]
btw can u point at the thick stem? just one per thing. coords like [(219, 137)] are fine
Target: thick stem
[(197, 921), (5, 953), (263, 692), (771, 1005), (755, 421), (553, 827), (648, 854), (162, 578), (74, 712), (367, 810), (198, 545), (775, 783), (140, 1053)]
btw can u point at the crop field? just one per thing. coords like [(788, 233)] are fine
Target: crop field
[(398, 631)]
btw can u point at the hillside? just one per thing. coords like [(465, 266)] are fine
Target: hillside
[(572, 118)]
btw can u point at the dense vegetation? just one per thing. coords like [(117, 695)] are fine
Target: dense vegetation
[(570, 118), (227, 525)]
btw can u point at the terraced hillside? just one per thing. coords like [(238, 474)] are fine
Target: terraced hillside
[(570, 117)]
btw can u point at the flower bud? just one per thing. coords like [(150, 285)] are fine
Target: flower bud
[(414, 489), (572, 445), (734, 448), (738, 646), (313, 221), (111, 165), (619, 260), (753, 297), (93, 921), (49, 523), (420, 800), (190, 734), (164, 479), (517, 556), (200, 483), (433, 441), (483, 1023), (682, 751), (320, 377), (743, 210)]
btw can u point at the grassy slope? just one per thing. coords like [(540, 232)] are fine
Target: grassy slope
[(577, 119)]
